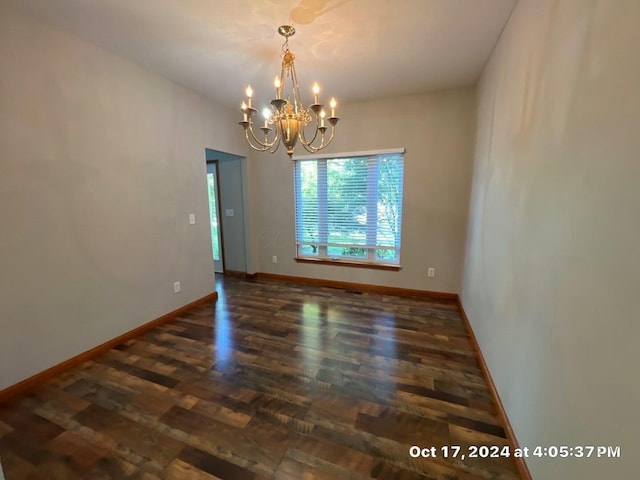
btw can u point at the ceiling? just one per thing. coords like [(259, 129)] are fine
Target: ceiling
[(355, 49)]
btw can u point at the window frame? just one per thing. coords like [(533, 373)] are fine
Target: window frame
[(322, 256)]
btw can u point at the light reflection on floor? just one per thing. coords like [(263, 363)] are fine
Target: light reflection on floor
[(223, 331)]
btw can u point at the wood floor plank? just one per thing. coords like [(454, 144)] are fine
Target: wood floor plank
[(277, 380)]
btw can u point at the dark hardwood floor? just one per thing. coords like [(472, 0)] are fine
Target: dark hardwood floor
[(275, 381)]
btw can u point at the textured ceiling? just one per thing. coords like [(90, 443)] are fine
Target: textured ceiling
[(355, 49)]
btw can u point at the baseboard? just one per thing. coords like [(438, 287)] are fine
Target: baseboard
[(363, 287), (239, 274), (502, 414), (234, 273), (39, 378)]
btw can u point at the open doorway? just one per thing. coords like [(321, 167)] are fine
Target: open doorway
[(213, 182), (228, 176)]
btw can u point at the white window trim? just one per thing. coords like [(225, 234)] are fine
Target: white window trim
[(363, 153)]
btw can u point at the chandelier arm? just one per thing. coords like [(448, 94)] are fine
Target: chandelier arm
[(277, 144), (303, 138), (302, 135), (313, 149), (265, 145), (322, 145), (259, 149), (261, 146)]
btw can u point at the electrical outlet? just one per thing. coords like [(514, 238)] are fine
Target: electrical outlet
[(176, 287), (431, 272), (192, 219), (274, 259)]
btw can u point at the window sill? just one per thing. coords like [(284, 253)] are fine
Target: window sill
[(349, 263)]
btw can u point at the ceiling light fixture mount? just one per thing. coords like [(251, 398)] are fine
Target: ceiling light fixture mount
[(287, 112)]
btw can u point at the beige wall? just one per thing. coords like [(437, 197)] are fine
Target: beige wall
[(100, 164), (232, 197), (437, 131), (551, 273)]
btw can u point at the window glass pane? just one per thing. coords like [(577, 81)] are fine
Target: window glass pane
[(349, 207), (347, 201), (386, 254), (389, 200), (214, 219), (307, 204), (352, 252), (309, 249)]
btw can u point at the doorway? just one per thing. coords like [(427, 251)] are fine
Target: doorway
[(230, 180), (213, 182)]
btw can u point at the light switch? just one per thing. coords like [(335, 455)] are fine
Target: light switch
[(192, 219), (228, 212)]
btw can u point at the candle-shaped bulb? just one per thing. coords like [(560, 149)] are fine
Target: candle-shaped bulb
[(243, 107), (333, 104), (322, 115), (277, 84), (249, 92), (266, 113), (316, 91)]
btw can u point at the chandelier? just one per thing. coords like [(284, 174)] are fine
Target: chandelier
[(287, 114)]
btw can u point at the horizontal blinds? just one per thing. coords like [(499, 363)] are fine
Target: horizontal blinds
[(353, 202)]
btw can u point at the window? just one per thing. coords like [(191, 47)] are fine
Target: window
[(349, 207)]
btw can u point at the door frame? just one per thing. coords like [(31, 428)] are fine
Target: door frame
[(218, 213)]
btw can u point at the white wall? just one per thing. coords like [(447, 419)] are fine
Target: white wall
[(437, 131), (100, 164), (551, 273)]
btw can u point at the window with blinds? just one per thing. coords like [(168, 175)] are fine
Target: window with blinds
[(349, 207)]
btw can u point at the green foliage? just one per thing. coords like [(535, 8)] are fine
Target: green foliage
[(347, 195), (212, 210), (354, 252), (385, 254)]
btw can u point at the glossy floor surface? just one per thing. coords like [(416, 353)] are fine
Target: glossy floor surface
[(275, 381)]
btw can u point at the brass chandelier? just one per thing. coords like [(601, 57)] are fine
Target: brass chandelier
[(287, 114)]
